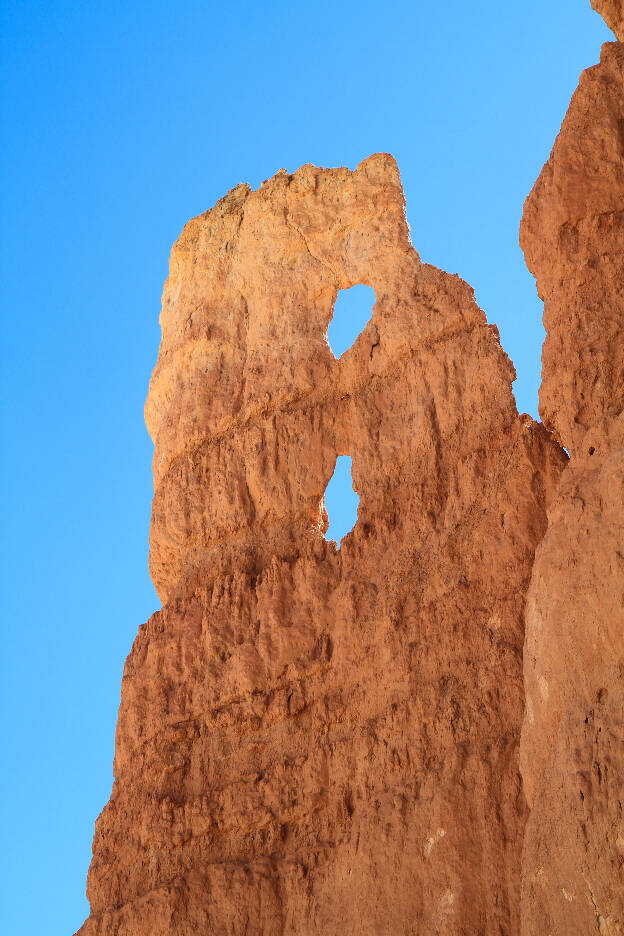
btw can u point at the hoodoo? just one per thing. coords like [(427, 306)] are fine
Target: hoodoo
[(314, 741)]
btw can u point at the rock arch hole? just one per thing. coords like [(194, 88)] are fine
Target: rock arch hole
[(341, 501), (352, 312)]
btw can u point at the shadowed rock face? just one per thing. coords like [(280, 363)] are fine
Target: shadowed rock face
[(572, 752), (313, 741)]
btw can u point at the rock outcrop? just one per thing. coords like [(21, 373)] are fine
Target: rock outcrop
[(313, 740), (612, 11), (572, 752), (572, 236)]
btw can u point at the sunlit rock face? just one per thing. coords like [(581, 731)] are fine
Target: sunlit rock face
[(312, 741), (572, 752)]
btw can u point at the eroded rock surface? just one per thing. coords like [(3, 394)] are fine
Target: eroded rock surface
[(572, 234), (313, 741), (572, 752)]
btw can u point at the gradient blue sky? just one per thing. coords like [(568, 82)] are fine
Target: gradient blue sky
[(119, 122)]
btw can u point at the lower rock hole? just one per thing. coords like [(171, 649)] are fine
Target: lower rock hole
[(341, 501)]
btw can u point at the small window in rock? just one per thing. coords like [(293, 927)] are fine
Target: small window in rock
[(341, 501), (352, 312)]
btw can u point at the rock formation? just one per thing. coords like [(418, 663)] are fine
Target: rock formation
[(323, 741), (313, 740), (572, 751)]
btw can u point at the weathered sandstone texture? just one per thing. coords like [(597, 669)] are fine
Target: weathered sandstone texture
[(612, 11), (314, 741), (572, 751)]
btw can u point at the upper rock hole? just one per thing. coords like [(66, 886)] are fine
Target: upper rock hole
[(352, 312)]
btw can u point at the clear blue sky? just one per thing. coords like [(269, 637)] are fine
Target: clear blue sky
[(120, 121)]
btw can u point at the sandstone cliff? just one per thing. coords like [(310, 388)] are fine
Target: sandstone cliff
[(572, 751), (314, 741)]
